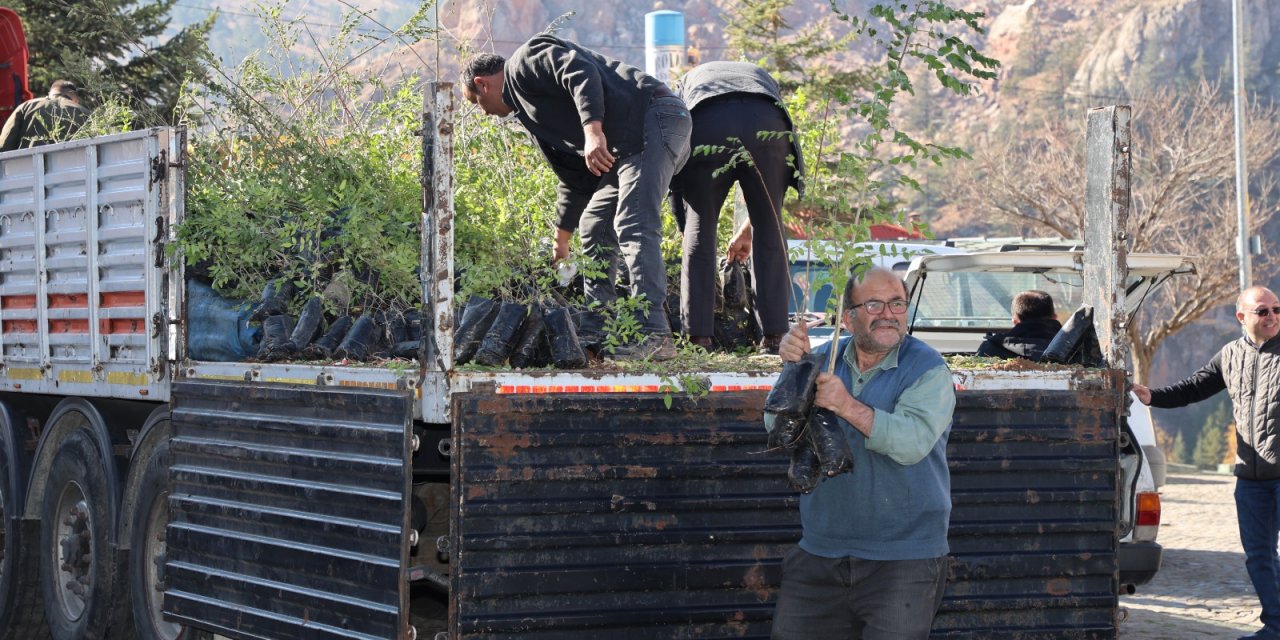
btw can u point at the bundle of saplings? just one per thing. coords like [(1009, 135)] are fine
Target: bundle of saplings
[(304, 202), (735, 323), (519, 335), (296, 329)]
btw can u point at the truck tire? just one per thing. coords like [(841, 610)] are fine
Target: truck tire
[(21, 610), (77, 570), (148, 493)]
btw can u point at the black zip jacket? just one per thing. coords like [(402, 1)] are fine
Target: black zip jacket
[(1251, 376), (557, 87), (1027, 339)]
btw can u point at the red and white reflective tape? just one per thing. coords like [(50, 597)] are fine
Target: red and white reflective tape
[(617, 388)]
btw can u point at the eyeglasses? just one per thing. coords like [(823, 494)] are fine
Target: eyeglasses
[(1264, 312), (898, 305)]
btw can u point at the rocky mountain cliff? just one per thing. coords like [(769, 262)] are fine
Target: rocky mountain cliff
[(1096, 49)]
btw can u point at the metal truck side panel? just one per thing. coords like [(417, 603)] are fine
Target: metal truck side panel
[(289, 510), (582, 516), (577, 515), (1033, 521), (82, 279)]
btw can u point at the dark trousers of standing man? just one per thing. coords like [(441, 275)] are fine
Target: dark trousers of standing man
[(624, 216), (715, 121), (1258, 513), (856, 599)]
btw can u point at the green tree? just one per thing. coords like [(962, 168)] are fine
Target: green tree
[(758, 30), (1181, 451), (1211, 446), (115, 48)]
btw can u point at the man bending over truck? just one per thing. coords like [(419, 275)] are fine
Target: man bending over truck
[(872, 559), (1249, 370), (53, 118), (614, 136)]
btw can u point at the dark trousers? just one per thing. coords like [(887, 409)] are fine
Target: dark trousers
[(1258, 514), (739, 116), (623, 218), (854, 599)]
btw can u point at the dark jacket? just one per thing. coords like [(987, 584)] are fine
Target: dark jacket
[(1027, 339), (557, 87), (42, 121), (714, 79), (1251, 376)]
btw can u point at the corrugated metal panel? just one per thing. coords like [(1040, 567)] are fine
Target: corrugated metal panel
[(288, 509), (613, 516), (79, 283), (1033, 520)]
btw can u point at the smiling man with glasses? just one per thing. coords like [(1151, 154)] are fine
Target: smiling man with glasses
[(873, 558), (1249, 370)]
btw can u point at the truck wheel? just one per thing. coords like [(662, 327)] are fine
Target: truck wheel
[(21, 613), (76, 568), (148, 549)]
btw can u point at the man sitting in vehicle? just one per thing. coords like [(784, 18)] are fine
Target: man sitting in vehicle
[(1034, 325)]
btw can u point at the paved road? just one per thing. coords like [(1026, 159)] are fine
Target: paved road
[(1201, 591)]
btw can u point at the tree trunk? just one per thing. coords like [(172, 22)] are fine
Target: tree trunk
[(1141, 353)]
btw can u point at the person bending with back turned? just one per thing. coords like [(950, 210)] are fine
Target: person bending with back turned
[(736, 100)]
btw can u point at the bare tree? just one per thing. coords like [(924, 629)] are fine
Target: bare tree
[(1183, 194)]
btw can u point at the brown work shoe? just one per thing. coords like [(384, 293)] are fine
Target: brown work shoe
[(705, 342), (657, 347), (770, 344)]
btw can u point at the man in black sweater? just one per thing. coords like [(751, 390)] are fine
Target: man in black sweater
[(1249, 370), (1034, 325), (614, 136)]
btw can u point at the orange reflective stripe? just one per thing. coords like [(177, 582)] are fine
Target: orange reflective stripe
[(517, 389)]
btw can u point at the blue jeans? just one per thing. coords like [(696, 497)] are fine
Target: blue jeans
[(1258, 513), (624, 215), (855, 599)]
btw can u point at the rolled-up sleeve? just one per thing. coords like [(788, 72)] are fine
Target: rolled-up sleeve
[(922, 414)]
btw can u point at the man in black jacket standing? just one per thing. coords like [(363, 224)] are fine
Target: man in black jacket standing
[(1035, 323), (736, 100), (1249, 370), (614, 136)]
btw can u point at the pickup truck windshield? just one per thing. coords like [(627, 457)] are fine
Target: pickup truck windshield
[(982, 300)]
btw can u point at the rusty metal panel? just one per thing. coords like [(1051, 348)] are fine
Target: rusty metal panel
[(1107, 205), (288, 510), (614, 516), (584, 516), (1033, 524)]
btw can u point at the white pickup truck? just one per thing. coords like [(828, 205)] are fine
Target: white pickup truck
[(959, 298)]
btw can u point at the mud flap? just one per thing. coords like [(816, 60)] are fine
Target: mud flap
[(289, 510)]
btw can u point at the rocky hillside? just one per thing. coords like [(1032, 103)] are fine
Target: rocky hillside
[(1097, 50)]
